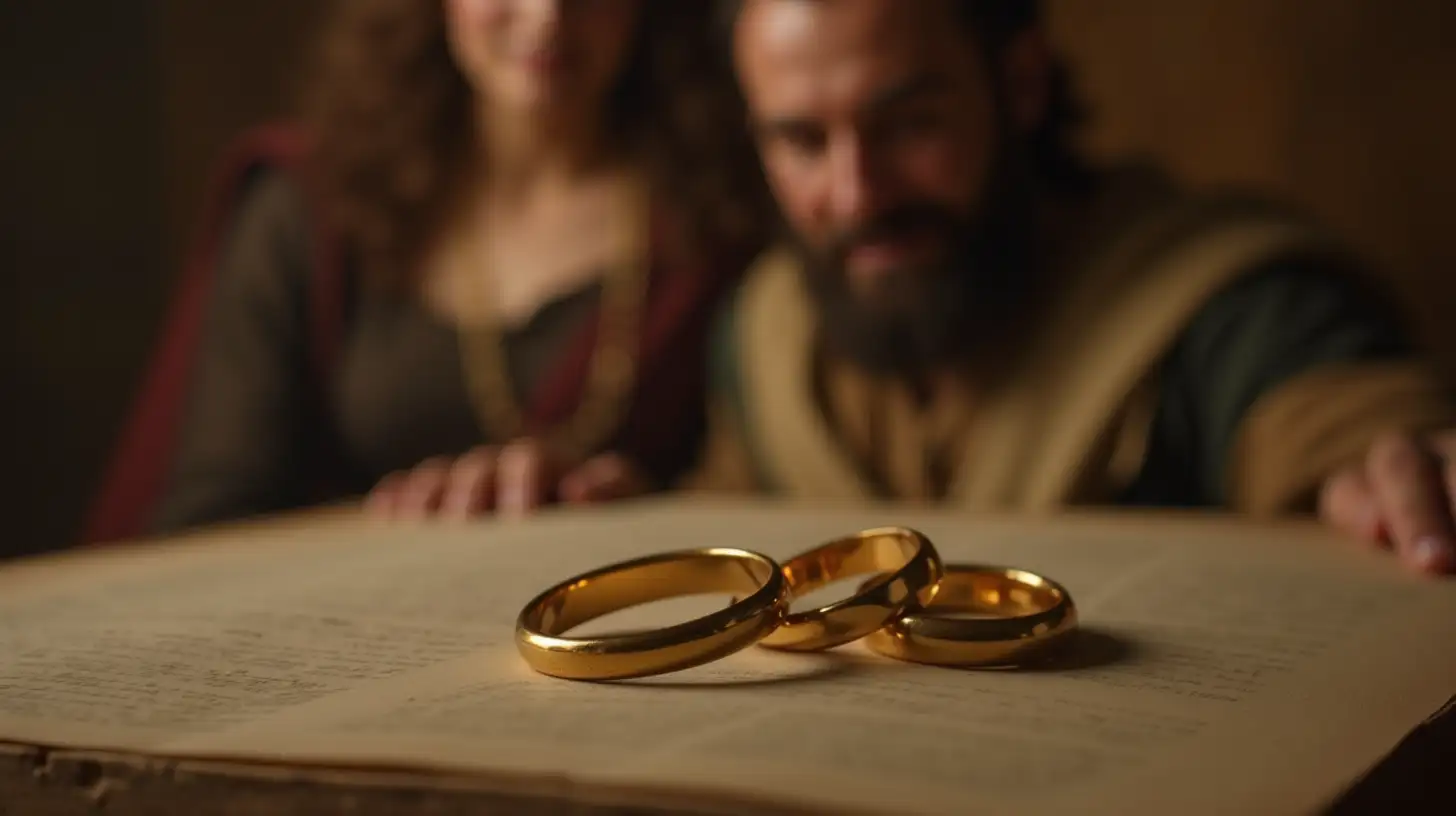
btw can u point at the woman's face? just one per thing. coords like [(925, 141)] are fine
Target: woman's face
[(541, 56)]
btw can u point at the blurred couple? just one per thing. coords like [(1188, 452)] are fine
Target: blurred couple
[(519, 252)]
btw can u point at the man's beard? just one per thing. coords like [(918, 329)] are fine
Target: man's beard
[(944, 314)]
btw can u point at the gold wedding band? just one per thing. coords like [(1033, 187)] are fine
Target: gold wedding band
[(909, 568), (551, 614), (1024, 614)]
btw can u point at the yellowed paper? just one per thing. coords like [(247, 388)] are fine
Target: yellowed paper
[(1224, 669)]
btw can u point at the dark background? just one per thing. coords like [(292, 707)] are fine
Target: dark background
[(115, 111)]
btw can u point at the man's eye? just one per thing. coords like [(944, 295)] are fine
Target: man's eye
[(802, 139), (916, 124)]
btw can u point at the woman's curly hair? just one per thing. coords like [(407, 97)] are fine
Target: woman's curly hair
[(389, 115)]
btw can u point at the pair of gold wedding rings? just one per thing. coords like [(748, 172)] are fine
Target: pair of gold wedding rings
[(912, 607)]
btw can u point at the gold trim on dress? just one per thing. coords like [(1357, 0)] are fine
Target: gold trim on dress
[(607, 392)]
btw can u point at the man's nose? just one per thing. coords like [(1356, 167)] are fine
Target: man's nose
[(542, 16), (857, 191)]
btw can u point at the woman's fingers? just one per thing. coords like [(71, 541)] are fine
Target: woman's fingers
[(523, 473), (423, 489), (470, 486), (603, 478)]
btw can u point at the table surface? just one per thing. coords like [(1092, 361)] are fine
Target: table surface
[(41, 781)]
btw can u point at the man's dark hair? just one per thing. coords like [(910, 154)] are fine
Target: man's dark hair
[(996, 23)]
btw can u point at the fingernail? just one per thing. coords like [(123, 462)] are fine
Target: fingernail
[(1433, 552)]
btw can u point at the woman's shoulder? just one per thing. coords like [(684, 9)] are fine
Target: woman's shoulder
[(260, 247), (269, 202), (261, 183)]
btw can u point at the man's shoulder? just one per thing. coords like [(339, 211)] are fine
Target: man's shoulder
[(1266, 261), (1295, 310), (759, 333), (765, 332), (1276, 321), (770, 292), (1267, 288), (773, 278), (1158, 254), (1145, 218)]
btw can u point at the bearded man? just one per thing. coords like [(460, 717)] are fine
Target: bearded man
[(963, 312)]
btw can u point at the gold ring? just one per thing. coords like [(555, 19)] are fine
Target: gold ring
[(909, 571), (551, 614), (1022, 615)]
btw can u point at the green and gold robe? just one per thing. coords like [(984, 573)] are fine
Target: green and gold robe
[(1201, 352)]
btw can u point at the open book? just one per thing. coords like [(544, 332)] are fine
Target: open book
[(1222, 668)]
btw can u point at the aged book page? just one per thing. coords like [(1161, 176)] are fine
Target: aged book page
[(1224, 668)]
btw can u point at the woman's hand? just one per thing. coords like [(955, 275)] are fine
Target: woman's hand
[(512, 480)]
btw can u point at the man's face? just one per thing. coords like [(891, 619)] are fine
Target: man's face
[(882, 138)]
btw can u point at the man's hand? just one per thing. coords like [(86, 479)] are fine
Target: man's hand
[(512, 480), (1401, 497)]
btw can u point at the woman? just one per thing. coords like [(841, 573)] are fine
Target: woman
[(489, 256)]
